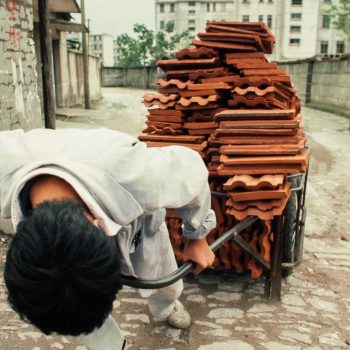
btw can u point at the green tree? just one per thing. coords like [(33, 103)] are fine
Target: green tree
[(147, 47), (340, 15)]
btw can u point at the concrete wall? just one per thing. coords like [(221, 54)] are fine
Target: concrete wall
[(298, 72), (19, 99), (330, 83), (143, 78), (69, 79)]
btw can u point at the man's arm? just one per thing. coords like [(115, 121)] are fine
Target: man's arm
[(175, 177)]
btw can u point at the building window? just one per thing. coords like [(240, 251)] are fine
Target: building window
[(245, 18), (295, 16), (295, 29), (270, 1), (340, 47), (192, 3), (261, 18), (326, 21), (208, 7), (261, 1), (324, 47), (214, 7), (172, 7), (191, 21), (297, 2), (192, 12), (191, 29), (161, 8), (223, 7), (246, 1), (162, 24), (294, 41), (269, 21)]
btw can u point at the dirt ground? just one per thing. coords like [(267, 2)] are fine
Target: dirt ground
[(228, 310)]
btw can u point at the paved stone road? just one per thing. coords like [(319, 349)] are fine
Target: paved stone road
[(229, 311)]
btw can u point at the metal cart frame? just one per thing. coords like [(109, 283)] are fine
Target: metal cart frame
[(294, 238)]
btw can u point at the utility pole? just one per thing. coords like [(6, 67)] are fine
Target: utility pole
[(85, 58), (46, 61)]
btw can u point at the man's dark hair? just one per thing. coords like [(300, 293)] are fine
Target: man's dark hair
[(62, 273)]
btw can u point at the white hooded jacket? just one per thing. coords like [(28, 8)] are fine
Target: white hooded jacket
[(125, 184)]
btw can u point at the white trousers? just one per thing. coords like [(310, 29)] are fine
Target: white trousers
[(160, 301)]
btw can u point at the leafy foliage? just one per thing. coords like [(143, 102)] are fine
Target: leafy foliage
[(340, 15), (148, 47)]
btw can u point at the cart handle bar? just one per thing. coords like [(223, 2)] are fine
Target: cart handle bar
[(187, 267)]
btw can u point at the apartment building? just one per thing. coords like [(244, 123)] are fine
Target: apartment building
[(302, 28), (192, 15), (102, 45)]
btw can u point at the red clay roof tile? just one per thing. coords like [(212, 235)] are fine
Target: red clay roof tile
[(223, 46), (253, 183), (193, 52)]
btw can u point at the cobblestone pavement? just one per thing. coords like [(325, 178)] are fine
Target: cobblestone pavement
[(229, 311)]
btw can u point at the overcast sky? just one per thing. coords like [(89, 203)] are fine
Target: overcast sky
[(118, 16)]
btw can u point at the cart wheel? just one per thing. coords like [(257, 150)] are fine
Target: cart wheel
[(290, 214)]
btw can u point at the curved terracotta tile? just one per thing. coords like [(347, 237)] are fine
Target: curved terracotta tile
[(234, 38), (263, 205), (172, 82), (200, 125), (252, 211), (237, 257), (162, 131), (160, 97), (165, 112), (165, 124), (257, 91), (188, 63), (245, 55), (187, 73), (224, 170), (255, 268), (160, 104), (238, 114), (202, 101), (220, 215), (264, 240), (223, 46), (213, 73), (254, 132), (250, 64), (261, 124), (238, 101), (193, 52), (301, 158), (224, 254), (253, 183), (209, 86)]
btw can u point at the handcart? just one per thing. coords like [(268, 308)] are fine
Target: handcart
[(287, 247)]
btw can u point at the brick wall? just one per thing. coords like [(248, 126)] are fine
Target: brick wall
[(19, 99)]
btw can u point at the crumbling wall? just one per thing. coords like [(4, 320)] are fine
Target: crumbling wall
[(19, 99)]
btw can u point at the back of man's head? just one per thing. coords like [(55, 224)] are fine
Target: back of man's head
[(62, 273)]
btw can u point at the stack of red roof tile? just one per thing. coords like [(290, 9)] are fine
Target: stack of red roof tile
[(224, 99)]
